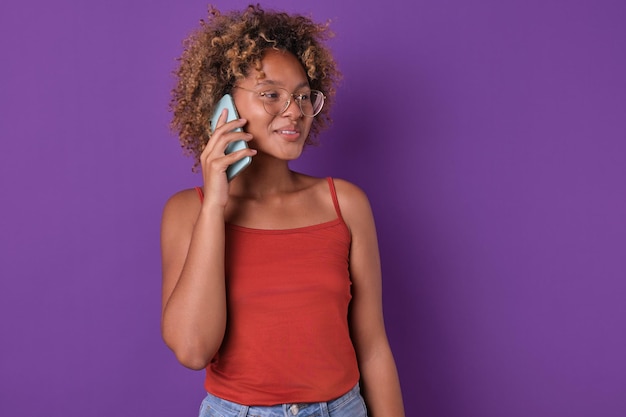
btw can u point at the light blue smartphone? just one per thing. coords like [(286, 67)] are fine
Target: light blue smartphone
[(227, 102)]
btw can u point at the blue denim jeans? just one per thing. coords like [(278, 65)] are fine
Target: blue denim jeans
[(350, 404)]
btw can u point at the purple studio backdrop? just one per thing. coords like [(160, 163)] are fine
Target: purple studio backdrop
[(489, 135)]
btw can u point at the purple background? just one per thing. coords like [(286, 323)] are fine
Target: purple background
[(489, 135)]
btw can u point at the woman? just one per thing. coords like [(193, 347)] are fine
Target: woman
[(271, 282)]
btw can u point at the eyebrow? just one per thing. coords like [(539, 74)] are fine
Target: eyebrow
[(279, 84)]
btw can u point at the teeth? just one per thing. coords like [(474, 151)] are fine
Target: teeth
[(288, 132)]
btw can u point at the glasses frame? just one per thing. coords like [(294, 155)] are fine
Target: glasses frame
[(293, 96)]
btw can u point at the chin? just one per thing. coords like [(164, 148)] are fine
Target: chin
[(292, 156)]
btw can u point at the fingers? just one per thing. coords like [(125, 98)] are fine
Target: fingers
[(222, 119), (220, 164), (223, 136), (213, 157)]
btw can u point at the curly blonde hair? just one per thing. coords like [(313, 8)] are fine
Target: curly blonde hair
[(226, 47)]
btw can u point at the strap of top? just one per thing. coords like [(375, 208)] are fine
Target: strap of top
[(200, 193), (333, 193)]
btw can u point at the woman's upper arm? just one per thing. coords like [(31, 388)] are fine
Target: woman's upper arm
[(379, 377), (179, 215), (366, 315)]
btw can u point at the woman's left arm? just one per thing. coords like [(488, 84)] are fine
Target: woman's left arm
[(379, 378)]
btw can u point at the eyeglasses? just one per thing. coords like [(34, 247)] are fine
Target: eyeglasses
[(276, 100)]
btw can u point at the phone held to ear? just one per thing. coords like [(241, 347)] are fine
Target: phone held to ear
[(227, 102)]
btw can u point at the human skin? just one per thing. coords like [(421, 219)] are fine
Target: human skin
[(267, 195)]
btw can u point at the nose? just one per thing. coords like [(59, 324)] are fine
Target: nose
[(293, 109)]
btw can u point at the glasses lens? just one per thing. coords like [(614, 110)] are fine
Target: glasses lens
[(277, 100), (311, 104)]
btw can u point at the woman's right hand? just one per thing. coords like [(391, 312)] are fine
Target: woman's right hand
[(214, 161)]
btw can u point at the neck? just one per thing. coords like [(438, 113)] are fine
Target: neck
[(264, 177)]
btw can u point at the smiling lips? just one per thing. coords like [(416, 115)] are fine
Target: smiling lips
[(290, 133)]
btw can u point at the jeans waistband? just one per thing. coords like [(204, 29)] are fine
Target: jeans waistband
[(241, 409)]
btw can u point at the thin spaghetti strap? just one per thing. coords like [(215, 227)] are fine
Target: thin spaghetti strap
[(200, 193), (333, 193)]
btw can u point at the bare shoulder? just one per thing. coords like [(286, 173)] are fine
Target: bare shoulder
[(353, 202), (182, 207), (350, 196)]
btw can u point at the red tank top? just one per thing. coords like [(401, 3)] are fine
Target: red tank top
[(287, 338)]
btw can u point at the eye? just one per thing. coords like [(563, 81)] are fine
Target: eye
[(270, 95), (303, 96)]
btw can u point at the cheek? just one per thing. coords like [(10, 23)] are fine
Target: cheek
[(249, 107), (308, 125), (257, 120), (258, 124)]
